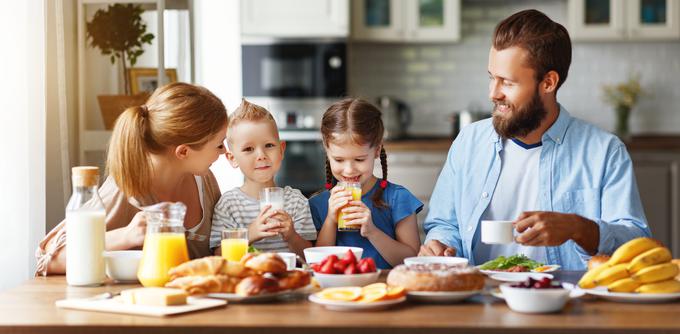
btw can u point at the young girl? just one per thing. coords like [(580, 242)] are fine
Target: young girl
[(352, 132), (160, 151)]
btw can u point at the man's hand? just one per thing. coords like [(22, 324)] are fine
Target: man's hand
[(544, 228), (436, 248)]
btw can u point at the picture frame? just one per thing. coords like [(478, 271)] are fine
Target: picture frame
[(145, 79)]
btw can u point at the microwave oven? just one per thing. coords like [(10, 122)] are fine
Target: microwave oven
[(294, 69)]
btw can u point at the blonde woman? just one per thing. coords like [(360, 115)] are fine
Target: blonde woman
[(160, 151)]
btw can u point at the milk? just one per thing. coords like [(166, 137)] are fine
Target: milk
[(85, 231)]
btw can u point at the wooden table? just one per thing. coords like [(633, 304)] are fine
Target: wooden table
[(30, 308)]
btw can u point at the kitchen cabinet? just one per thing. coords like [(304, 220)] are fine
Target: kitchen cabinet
[(406, 20), (417, 171), (613, 20), (295, 18), (658, 179)]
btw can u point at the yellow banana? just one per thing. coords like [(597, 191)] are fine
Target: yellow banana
[(668, 286), (631, 249), (656, 273), (612, 274), (649, 258), (623, 285), (587, 281)]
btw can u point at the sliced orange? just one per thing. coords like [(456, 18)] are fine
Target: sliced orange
[(375, 286), (373, 295), (346, 294), (394, 292)]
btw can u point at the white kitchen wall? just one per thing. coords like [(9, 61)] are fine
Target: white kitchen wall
[(437, 79)]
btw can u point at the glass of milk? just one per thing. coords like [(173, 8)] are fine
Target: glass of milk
[(271, 196)]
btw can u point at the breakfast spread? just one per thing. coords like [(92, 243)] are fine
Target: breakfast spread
[(642, 265), (255, 274), (436, 277), (153, 296)]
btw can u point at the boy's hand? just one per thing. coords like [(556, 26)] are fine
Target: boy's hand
[(339, 198), (286, 227), (260, 228), (359, 214)]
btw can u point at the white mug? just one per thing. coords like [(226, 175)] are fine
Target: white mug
[(289, 258), (497, 231)]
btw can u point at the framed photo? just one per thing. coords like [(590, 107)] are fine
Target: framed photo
[(146, 79)]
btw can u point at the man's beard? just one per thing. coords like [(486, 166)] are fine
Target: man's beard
[(522, 120)]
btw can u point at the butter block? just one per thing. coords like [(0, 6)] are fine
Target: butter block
[(154, 296)]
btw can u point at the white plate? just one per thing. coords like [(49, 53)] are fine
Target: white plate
[(574, 291), (267, 297), (114, 305), (629, 297), (505, 276), (354, 306), (440, 296)]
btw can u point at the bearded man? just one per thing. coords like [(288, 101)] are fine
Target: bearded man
[(567, 185)]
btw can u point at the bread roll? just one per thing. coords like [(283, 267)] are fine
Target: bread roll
[(597, 260)]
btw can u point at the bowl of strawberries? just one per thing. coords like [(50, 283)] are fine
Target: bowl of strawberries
[(334, 271)]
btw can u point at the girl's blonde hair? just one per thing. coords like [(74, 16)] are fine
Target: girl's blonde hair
[(175, 114), (362, 122)]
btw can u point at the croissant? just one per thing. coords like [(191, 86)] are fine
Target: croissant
[(255, 285), (210, 265), (293, 279), (264, 263), (198, 285)]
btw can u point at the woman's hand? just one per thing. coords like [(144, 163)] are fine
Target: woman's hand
[(263, 226), (338, 199), (135, 232), (359, 214)]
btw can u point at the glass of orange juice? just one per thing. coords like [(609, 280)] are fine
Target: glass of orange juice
[(165, 246), (355, 188), (234, 243)]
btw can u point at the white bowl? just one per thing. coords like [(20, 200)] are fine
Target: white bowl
[(530, 300), (317, 254), (450, 260), (339, 280), (122, 265)]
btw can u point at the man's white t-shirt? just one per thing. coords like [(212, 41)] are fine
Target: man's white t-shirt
[(516, 192)]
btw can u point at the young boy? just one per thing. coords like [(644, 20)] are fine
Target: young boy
[(254, 147)]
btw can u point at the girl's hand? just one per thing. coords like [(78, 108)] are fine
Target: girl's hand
[(339, 198), (359, 214), (136, 231), (286, 227), (261, 227)]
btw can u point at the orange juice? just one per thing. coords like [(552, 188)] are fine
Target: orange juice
[(355, 188), (234, 249), (162, 251)]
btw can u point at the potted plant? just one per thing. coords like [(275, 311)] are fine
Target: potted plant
[(623, 97), (119, 33)]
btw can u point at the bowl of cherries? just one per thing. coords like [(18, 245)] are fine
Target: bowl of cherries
[(535, 295)]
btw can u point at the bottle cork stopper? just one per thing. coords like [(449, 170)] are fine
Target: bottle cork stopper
[(85, 176)]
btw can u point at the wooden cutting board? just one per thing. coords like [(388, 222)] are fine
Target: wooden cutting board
[(114, 305)]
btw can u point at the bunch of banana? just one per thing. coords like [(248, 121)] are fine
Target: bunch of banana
[(641, 265)]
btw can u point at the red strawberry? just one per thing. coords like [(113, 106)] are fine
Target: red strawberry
[(366, 265), (339, 267), (327, 267), (351, 269), (316, 267), (349, 257)]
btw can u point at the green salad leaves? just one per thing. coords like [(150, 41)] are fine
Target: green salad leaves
[(503, 262)]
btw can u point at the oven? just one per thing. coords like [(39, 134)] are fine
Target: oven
[(294, 68), (304, 163)]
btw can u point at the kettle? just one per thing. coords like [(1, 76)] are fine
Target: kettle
[(396, 117)]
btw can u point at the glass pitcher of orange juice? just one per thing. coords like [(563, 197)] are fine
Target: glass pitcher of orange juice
[(164, 244), (355, 188)]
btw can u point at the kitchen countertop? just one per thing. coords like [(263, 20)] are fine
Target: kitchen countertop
[(29, 308)]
